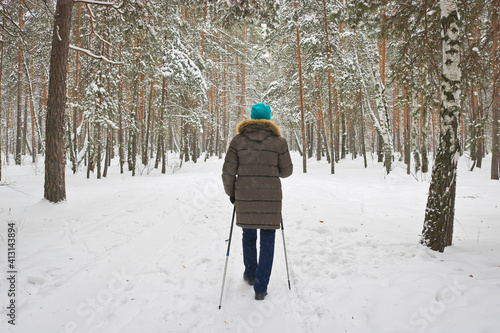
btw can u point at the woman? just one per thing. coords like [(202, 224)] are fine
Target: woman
[(256, 159)]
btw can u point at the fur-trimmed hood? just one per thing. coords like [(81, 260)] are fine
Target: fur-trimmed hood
[(258, 124)]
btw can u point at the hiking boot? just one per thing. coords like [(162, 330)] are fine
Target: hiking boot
[(250, 281), (260, 296)]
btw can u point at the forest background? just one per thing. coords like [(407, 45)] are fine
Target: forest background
[(344, 79)]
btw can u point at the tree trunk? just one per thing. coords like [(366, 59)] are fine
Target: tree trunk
[(310, 136), (406, 129), (363, 145), (344, 133), (44, 101), (438, 224), (32, 118), (72, 153), (121, 143), (382, 126), (55, 188), (243, 74), (383, 112), (222, 115), (396, 120), (163, 130), (98, 136), (19, 89), (90, 151), (414, 142), (224, 111), (330, 96), (35, 123), (474, 125), (423, 147), (133, 128), (382, 78), (1, 70), (25, 122), (76, 94), (301, 93), (148, 126), (495, 105), (319, 122), (161, 154), (107, 155)]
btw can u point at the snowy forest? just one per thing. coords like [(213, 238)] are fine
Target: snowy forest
[(344, 78), (122, 111)]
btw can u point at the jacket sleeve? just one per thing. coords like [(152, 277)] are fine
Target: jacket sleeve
[(284, 161), (230, 169)]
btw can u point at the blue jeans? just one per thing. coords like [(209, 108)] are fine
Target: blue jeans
[(260, 271)]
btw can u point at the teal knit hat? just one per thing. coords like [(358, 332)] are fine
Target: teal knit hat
[(261, 111)]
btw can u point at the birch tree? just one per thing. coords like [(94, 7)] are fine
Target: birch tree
[(438, 223), (381, 123)]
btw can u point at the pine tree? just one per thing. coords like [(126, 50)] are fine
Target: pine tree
[(19, 89), (495, 105), (1, 109), (55, 161)]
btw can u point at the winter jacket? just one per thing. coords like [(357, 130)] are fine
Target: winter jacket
[(256, 159)]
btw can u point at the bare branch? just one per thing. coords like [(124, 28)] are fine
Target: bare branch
[(92, 27), (97, 57)]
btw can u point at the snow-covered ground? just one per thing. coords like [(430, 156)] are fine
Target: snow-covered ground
[(146, 254)]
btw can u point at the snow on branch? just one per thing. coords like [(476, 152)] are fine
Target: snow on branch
[(98, 57), (102, 3), (92, 26)]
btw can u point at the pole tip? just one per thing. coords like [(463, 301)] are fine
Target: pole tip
[(220, 306)]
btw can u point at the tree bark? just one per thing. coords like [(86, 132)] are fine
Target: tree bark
[(495, 105), (382, 78), (1, 70), (330, 96), (423, 147), (161, 137), (243, 74), (24, 141), (406, 129), (121, 143), (382, 126), (396, 138), (55, 187), (76, 95), (301, 93), (148, 125), (19, 89), (438, 224), (320, 124), (363, 145)]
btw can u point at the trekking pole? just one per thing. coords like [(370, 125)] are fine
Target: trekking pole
[(286, 259), (227, 257)]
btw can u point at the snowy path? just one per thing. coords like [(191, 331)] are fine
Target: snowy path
[(146, 254)]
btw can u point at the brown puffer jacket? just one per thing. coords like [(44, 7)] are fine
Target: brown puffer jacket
[(256, 159)]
